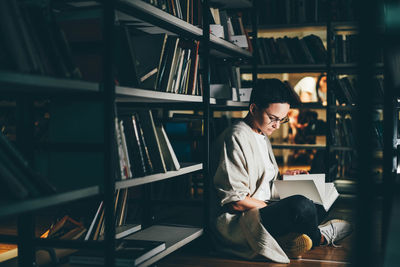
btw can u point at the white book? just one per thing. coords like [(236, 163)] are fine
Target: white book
[(125, 150), (171, 161), (312, 186)]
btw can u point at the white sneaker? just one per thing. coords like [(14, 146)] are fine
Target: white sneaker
[(335, 230)]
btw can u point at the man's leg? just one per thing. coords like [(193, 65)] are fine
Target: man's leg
[(295, 214)]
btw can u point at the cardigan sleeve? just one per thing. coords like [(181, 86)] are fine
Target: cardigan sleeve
[(231, 179)]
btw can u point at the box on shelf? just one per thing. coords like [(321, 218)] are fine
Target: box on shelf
[(217, 30), (220, 91), (240, 40), (244, 94)]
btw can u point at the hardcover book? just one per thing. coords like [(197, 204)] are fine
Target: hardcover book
[(312, 186)]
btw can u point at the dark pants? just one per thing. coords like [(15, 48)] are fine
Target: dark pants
[(295, 214)]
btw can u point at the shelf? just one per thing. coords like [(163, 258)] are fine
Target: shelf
[(352, 68), (222, 48), (13, 208), (185, 169), (352, 107), (298, 146), (341, 148), (228, 4), (285, 68), (174, 237), (11, 82), (128, 94), (350, 148), (348, 68), (301, 27), (230, 105), (151, 19), (310, 105)]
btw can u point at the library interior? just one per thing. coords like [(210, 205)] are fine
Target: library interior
[(188, 133)]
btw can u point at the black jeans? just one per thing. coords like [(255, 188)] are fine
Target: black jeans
[(295, 214)]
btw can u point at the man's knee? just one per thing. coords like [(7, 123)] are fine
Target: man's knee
[(302, 206)]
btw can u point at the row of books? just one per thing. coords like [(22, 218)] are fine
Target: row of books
[(346, 93), (191, 12), (230, 28), (307, 50), (32, 42), (187, 10), (96, 228), (345, 131), (18, 180), (289, 12), (345, 49), (170, 63), (225, 80), (143, 146)]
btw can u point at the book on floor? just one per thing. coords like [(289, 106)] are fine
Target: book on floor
[(312, 186), (128, 253)]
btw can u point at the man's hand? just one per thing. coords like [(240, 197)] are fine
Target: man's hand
[(295, 172)]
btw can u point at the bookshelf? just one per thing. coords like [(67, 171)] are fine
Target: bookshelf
[(112, 98), (15, 208), (185, 169), (333, 67), (11, 82)]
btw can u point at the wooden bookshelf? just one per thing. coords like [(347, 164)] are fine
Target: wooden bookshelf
[(186, 168), (11, 82), (17, 207), (174, 237)]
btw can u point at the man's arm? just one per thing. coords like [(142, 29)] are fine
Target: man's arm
[(245, 204)]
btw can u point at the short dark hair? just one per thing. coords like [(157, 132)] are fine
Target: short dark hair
[(268, 91)]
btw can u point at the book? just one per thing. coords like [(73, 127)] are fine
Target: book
[(152, 140), (145, 64), (127, 253), (312, 186), (95, 220), (169, 156), (15, 165), (135, 150)]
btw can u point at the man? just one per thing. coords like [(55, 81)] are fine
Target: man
[(243, 167)]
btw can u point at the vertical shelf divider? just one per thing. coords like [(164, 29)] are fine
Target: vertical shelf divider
[(109, 128), (206, 109)]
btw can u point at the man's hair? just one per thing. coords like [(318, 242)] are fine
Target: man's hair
[(270, 91)]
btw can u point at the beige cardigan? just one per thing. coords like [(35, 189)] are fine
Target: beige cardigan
[(238, 171)]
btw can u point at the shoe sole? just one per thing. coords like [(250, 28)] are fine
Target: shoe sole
[(295, 245)]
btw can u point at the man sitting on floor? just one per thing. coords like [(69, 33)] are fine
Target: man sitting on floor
[(243, 167)]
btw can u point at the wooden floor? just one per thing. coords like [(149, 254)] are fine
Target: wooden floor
[(195, 255)]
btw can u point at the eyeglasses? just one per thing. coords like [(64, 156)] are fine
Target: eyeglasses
[(273, 119)]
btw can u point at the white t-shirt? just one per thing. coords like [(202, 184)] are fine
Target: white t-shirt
[(308, 85), (264, 192)]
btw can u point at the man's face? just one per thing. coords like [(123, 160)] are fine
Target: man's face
[(269, 119)]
